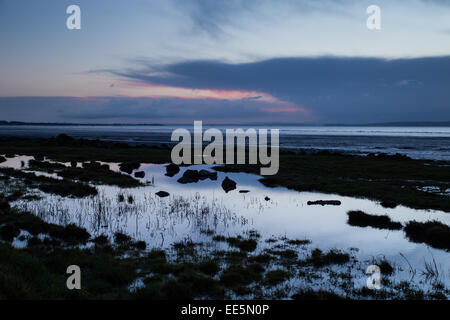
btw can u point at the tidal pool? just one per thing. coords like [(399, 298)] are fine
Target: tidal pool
[(193, 209)]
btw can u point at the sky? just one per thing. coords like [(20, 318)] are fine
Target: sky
[(225, 61)]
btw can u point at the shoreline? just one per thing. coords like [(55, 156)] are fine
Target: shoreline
[(394, 179), (224, 265)]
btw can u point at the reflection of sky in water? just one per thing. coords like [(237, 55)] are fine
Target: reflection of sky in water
[(193, 207)]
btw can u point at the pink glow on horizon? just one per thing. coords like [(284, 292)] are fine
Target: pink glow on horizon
[(286, 110), (163, 91)]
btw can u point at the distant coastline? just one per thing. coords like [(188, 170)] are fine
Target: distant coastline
[(396, 124), (21, 123), (380, 124)]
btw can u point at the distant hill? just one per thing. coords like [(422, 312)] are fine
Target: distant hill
[(383, 124), (20, 123)]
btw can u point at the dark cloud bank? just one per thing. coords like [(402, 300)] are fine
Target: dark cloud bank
[(338, 90)]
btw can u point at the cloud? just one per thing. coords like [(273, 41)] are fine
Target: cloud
[(144, 110), (332, 88), (324, 90)]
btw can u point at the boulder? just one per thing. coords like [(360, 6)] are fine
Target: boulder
[(244, 191), (324, 203), (139, 174), (192, 176), (162, 194), (172, 169), (267, 198), (189, 176), (205, 174), (389, 204), (128, 167), (228, 184)]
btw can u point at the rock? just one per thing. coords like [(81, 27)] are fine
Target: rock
[(172, 169), (139, 174), (388, 204), (205, 174), (128, 167), (228, 184), (189, 176), (244, 191), (325, 203), (267, 198), (193, 176), (162, 194)]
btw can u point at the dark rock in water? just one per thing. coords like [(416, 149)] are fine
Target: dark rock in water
[(128, 167), (228, 184), (205, 174), (189, 176), (139, 174), (73, 164), (2, 159), (172, 169), (388, 204), (267, 198), (193, 176), (325, 203), (162, 194), (244, 191)]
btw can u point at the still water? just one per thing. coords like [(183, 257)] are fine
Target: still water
[(192, 209)]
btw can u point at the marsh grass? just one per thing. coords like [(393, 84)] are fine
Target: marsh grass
[(361, 219), (187, 271), (319, 259), (433, 233), (65, 188)]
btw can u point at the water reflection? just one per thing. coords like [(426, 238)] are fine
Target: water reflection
[(193, 208)]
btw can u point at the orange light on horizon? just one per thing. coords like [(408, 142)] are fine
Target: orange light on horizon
[(162, 91)]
